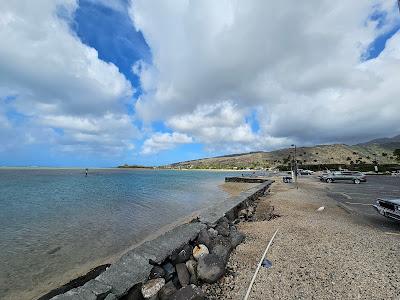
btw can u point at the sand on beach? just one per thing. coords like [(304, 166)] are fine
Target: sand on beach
[(315, 255)]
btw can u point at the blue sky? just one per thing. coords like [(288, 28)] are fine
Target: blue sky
[(143, 83)]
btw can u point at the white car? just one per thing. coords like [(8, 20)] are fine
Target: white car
[(389, 208)]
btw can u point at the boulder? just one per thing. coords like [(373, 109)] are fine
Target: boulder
[(210, 268), (236, 238), (204, 238), (152, 287), (135, 293), (191, 265), (167, 291), (200, 250), (212, 233), (230, 215), (183, 255), (190, 292), (222, 240), (156, 272), (169, 270), (223, 251), (223, 228), (183, 274), (194, 279)]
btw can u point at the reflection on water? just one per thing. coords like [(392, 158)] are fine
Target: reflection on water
[(53, 222)]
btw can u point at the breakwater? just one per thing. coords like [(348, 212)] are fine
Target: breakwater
[(175, 263), (246, 179)]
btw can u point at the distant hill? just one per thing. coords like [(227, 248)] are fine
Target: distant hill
[(387, 143), (316, 155)]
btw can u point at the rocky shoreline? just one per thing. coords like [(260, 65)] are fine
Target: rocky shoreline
[(177, 264)]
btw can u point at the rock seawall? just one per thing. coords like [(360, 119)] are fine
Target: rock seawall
[(172, 265)]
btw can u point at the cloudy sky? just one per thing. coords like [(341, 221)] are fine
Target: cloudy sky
[(99, 83)]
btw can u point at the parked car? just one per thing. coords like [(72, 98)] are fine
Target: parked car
[(356, 177), (389, 208), (306, 172)]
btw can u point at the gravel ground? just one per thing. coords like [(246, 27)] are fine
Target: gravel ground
[(315, 255)]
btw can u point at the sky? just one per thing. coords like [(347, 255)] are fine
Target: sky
[(103, 83)]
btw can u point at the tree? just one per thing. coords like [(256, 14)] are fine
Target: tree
[(397, 154), (384, 154)]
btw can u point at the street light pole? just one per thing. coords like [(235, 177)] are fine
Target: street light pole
[(295, 165), (376, 163)]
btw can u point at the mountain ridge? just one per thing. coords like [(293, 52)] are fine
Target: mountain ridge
[(362, 153)]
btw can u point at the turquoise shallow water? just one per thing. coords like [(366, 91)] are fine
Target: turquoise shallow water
[(55, 222)]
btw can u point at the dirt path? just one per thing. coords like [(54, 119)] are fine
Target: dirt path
[(315, 255)]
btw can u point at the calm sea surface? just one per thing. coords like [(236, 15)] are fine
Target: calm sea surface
[(53, 223)]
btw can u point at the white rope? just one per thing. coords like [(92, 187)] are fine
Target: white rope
[(258, 267)]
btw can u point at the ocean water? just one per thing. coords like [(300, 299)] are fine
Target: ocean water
[(55, 223)]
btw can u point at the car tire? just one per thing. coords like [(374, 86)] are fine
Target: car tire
[(329, 180), (356, 181)]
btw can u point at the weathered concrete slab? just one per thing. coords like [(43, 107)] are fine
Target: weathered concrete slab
[(76, 294), (98, 288), (125, 273)]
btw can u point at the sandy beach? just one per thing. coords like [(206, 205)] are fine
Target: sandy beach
[(315, 255)]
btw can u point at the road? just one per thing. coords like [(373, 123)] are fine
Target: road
[(359, 198)]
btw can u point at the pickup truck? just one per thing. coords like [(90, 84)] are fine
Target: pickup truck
[(389, 208), (355, 177)]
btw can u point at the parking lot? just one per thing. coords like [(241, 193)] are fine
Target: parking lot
[(359, 198)]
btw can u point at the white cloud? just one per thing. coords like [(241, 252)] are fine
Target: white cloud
[(164, 141), (57, 81), (215, 123), (299, 65)]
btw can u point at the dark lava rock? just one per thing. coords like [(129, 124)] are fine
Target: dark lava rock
[(230, 215), (236, 237), (176, 282), (183, 274), (135, 293), (183, 255), (190, 292), (223, 228), (211, 267), (204, 238), (156, 272), (191, 265), (167, 291), (193, 279), (222, 240), (223, 251), (169, 270), (212, 233)]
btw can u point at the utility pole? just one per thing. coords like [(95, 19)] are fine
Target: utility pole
[(295, 165), (376, 160)]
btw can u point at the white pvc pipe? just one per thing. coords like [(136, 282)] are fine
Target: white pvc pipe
[(258, 267)]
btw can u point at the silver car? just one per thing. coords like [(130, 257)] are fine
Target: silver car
[(354, 176), (389, 208)]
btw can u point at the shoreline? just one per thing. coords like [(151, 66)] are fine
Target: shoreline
[(205, 216), (75, 272)]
